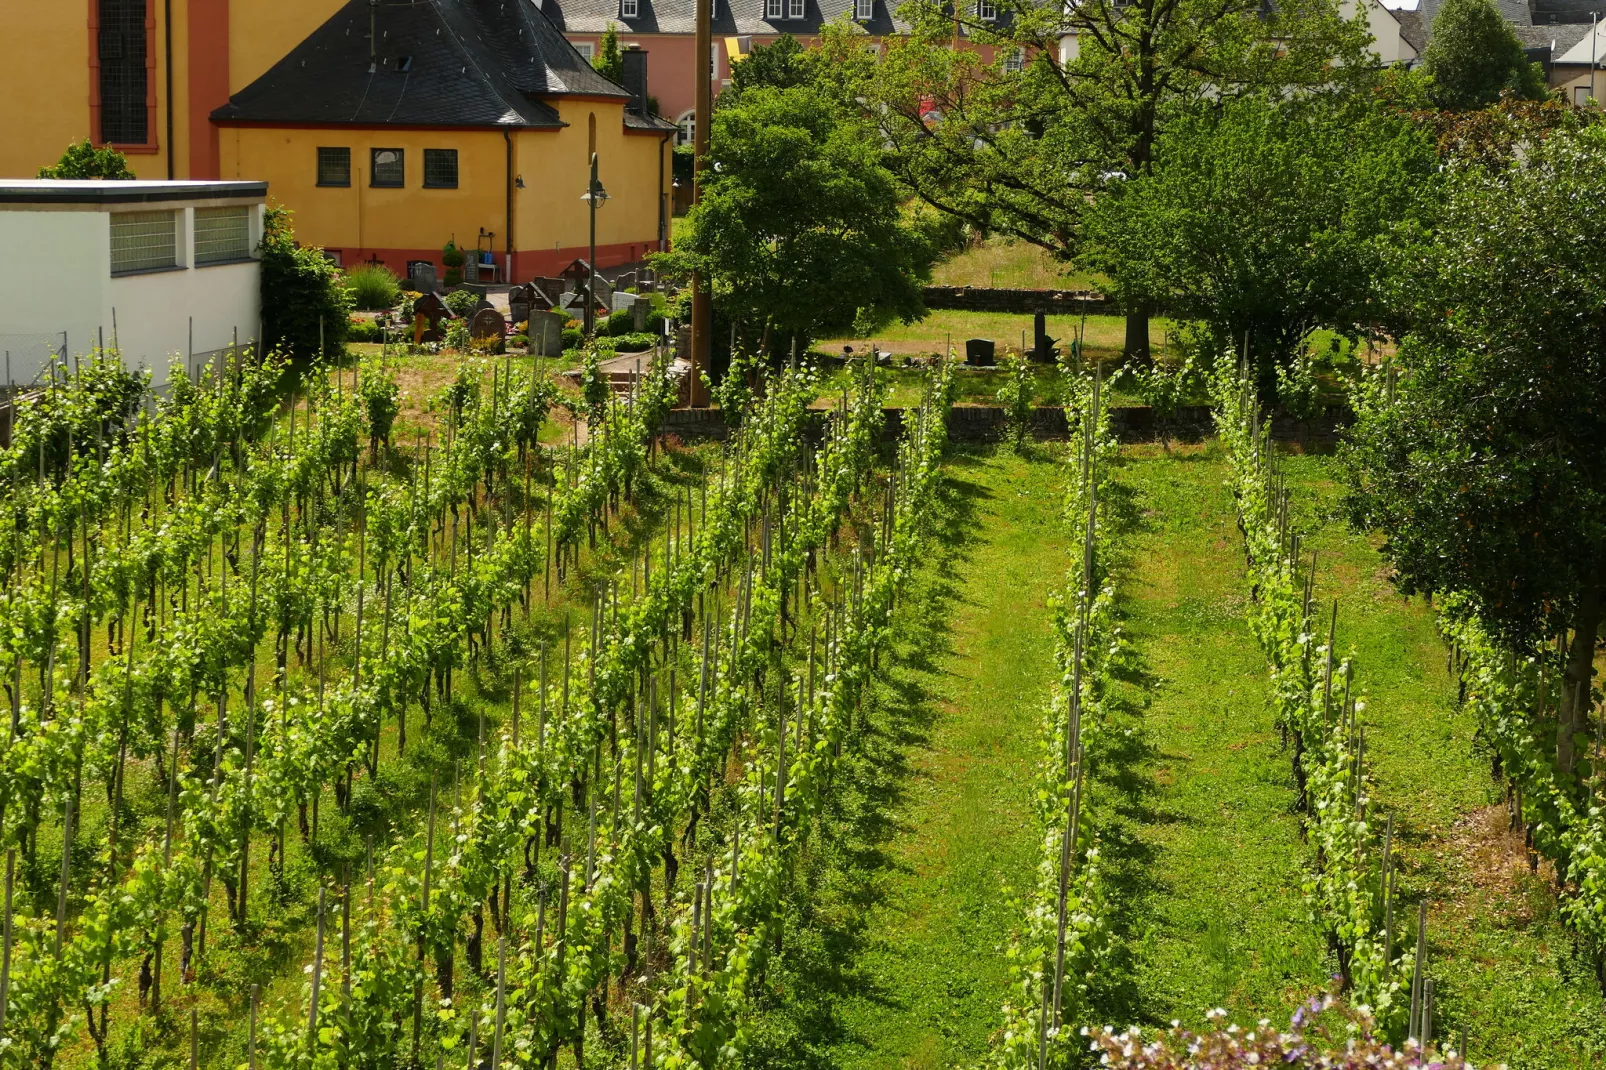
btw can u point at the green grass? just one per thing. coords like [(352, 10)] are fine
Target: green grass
[(940, 329), (894, 953), (1013, 264), (896, 956), (1204, 847), (1503, 966)]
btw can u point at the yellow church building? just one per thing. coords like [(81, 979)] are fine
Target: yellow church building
[(388, 128)]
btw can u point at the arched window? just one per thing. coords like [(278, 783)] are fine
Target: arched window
[(687, 125)]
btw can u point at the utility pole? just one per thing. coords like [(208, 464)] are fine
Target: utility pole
[(702, 310), (1594, 52)]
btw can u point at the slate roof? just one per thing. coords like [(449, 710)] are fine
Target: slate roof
[(1582, 50), (438, 63), (1554, 24), (730, 17)]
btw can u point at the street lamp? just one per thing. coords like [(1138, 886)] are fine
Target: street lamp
[(595, 197)]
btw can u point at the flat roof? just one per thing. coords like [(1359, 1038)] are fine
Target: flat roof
[(101, 191)]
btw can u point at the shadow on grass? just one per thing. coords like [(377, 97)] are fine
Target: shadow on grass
[(838, 881)]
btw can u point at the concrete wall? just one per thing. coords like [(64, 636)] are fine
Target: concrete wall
[(69, 287)]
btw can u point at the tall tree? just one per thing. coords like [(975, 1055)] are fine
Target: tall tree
[(1061, 101), (1264, 219), (1474, 56), (1484, 465), (608, 62), (782, 64), (799, 226)]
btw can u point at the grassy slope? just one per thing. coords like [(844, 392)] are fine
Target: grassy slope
[(1207, 852), (1502, 964)]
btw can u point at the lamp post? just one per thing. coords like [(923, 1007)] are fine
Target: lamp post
[(1594, 52), (595, 197)]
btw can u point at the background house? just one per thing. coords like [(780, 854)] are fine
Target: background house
[(457, 117), (163, 268), (471, 120)]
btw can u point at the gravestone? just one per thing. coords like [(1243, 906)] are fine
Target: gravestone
[(483, 304), (518, 303), (546, 333), (422, 272), (487, 324), (627, 281), (623, 302), (640, 310), (979, 352), (552, 288), (433, 308), (1042, 344)]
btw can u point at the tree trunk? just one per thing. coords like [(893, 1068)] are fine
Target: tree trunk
[(1575, 702), (1137, 336)]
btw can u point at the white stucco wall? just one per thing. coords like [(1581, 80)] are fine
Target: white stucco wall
[(63, 282)]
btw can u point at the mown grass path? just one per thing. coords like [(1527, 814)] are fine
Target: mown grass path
[(898, 958), (1205, 847)]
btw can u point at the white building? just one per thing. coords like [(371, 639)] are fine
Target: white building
[(162, 269)]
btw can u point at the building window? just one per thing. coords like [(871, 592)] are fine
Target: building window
[(775, 9), (222, 235), (388, 168), (986, 10), (334, 167), (629, 9), (864, 10), (143, 241), (1015, 62), (686, 127), (440, 168), (1581, 95), (120, 48), (794, 9), (586, 49)]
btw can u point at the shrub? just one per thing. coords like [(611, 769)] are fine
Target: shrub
[(519, 341), (572, 339), (84, 160), (462, 302), (364, 331), (374, 287), (634, 342), (619, 323), (452, 260), (303, 298)]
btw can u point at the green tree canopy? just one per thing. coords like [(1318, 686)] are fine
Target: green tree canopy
[(1474, 56), (608, 62), (1021, 140), (1485, 464), (304, 300), (782, 64), (84, 160), (1264, 218), (799, 226)]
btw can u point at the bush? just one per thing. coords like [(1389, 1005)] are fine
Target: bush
[(374, 288), (572, 339), (83, 160), (519, 341), (634, 342), (619, 323), (364, 331), (462, 302), (303, 298)]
